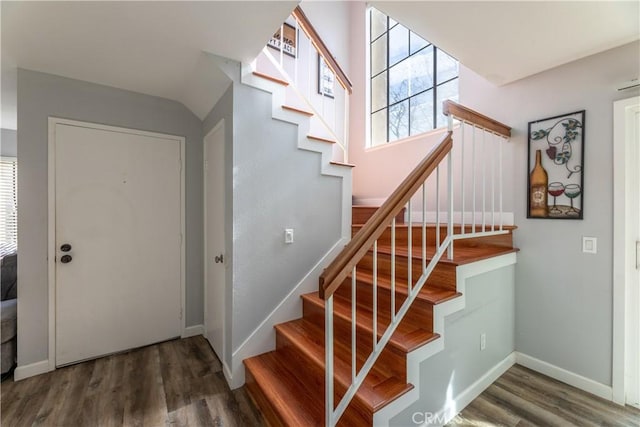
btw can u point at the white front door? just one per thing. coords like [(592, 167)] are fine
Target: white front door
[(214, 238), (118, 208), (633, 293)]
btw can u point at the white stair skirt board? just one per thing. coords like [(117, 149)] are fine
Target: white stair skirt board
[(567, 377), (263, 338), (416, 357), (192, 331), (32, 369)]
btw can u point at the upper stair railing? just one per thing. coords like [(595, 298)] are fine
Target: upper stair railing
[(319, 82), (423, 187)]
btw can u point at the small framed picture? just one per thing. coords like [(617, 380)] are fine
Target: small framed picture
[(556, 167), (326, 78), (288, 39)]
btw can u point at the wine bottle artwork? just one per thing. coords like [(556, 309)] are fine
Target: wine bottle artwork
[(556, 162)]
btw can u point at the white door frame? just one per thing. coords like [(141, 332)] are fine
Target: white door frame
[(51, 252), (216, 128), (622, 146)]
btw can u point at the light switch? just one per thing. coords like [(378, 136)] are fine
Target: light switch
[(288, 235), (589, 245)]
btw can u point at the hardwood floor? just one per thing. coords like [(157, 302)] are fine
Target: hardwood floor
[(522, 397), (177, 383), (180, 383)]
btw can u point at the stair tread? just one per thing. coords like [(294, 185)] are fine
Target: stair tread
[(461, 255), (298, 110), (271, 78), (429, 294), (432, 225), (377, 390), (406, 337), (322, 139), (289, 399), (349, 165)]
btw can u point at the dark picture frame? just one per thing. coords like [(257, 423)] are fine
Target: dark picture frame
[(289, 39), (326, 78), (555, 160)]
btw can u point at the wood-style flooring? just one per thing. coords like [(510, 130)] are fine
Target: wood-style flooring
[(523, 398), (180, 383), (175, 383)]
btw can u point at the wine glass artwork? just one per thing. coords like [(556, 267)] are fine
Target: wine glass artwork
[(572, 191), (555, 189)]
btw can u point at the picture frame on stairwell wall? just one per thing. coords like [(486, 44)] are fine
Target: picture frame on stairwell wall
[(555, 184), (289, 40), (326, 78)]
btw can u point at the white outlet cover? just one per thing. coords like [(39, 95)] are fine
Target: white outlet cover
[(589, 245)]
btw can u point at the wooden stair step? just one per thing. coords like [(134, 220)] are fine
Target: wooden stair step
[(430, 294), (280, 394), (360, 214), (297, 110), (406, 337), (348, 165), (377, 390), (322, 139), (271, 78), (461, 255)]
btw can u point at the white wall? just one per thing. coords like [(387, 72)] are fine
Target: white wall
[(563, 297), (9, 143), (42, 95)]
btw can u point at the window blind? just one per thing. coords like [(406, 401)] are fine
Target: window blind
[(8, 200)]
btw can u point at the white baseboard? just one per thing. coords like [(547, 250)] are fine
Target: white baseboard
[(567, 377), (30, 370), (192, 331), (456, 405)]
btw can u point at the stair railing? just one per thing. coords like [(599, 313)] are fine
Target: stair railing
[(328, 98), (422, 187)]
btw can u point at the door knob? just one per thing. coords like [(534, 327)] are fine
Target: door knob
[(65, 247), (65, 259), (218, 259)]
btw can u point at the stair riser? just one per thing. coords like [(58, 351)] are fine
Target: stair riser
[(261, 401), (443, 276), (420, 313), (505, 240), (391, 360), (361, 214), (314, 378)]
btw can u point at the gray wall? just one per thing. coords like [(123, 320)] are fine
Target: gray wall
[(9, 143), (276, 186), (563, 296), (43, 95), (490, 310)]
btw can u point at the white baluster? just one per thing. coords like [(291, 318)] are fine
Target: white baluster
[(393, 269), (410, 241), (462, 144), (500, 179), (375, 293), (328, 362), (484, 180), (438, 207), (473, 179), (450, 208), (353, 325), (424, 227), (493, 183)]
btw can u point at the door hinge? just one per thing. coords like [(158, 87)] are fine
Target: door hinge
[(637, 254), (180, 316)]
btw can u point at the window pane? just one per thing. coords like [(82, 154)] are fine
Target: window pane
[(392, 22), (379, 128), (399, 82), (420, 71), (378, 55), (416, 42), (399, 121), (378, 23), (446, 91), (379, 92), (421, 112), (398, 44), (447, 67)]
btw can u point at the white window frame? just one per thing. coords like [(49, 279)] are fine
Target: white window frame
[(9, 161)]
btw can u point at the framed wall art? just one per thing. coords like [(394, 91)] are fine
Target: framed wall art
[(288, 40), (326, 78), (556, 167)]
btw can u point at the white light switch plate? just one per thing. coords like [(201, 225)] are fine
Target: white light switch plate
[(288, 235), (589, 245)]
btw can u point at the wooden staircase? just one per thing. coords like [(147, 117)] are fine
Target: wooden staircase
[(288, 384)]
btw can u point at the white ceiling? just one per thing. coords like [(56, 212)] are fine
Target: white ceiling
[(507, 41), (154, 48), (158, 48)]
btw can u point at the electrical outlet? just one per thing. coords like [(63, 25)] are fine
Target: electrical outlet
[(483, 341), (288, 235)]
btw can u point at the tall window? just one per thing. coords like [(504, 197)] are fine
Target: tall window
[(8, 200), (410, 78)]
